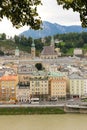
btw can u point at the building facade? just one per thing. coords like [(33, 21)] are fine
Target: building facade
[(78, 52), (39, 88), (57, 85), (8, 86), (23, 94), (76, 85)]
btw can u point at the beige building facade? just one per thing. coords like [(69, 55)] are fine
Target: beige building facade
[(39, 87), (23, 94), (57, 85)]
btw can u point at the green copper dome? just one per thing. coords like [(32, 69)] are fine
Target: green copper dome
[(33, 45)]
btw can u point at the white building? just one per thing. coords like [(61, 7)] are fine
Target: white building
[(78, 51), (23, 94), (85, 87), (76, 85), (17, 52)]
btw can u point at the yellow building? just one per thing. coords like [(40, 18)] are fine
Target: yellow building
[(8, 86), (57, 85)]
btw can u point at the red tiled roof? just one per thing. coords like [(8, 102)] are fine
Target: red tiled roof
[(8, 78)]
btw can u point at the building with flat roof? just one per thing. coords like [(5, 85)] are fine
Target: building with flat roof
[(57, 85)]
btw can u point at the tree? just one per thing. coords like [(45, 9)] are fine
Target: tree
[(39, 66), (24, 12), (77, 5), (16, 39), (21, 12), (3, 36)]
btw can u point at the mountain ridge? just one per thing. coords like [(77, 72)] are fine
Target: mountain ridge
[(50, 29)]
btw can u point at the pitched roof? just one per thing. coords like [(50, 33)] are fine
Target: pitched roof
[(48, 50)]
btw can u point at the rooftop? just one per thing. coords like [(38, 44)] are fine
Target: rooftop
[(48, 50)]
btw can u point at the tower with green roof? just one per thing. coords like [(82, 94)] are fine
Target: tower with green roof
[(33, 50), (52, 42), (17, 51)]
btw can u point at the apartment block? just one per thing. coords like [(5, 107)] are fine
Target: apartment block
[(57, 85), (8, 86)]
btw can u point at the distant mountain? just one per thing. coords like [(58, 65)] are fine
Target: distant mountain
[(50, 29)]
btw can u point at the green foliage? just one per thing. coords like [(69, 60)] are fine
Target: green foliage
[(77, 5), (39, 66), (1, 53), (69, 42), (31, 110), (21, 12), (3, 36)]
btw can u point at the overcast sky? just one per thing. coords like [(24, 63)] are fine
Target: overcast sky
[(49, 11)]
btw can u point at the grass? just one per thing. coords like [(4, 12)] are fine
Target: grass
[(30, 110), (70, 51)]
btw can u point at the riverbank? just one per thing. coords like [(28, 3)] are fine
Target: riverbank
[(31, 110)]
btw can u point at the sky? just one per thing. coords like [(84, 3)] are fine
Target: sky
[(49, 11)]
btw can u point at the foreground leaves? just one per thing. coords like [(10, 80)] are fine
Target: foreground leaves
[(21, 12), (77, 5)]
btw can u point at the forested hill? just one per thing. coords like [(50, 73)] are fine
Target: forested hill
[(66, 42), (50, 29)]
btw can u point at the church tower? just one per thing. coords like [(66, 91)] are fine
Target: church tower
[(17, 52), (33, 49), (52, 42)]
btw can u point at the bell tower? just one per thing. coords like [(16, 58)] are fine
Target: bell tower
[(52, 42), (17, 52), (33, 49)]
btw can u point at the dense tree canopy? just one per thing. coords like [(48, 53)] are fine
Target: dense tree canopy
[(77, 5), (39, 66), (21, 12), (24, 12)]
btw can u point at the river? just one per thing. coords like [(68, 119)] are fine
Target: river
[(44, 122)]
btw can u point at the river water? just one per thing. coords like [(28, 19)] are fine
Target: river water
[(44, 122)]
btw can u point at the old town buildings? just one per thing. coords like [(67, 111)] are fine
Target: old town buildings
[(60, 77)]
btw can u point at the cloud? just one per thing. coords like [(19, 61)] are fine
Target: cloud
[(51, 11)]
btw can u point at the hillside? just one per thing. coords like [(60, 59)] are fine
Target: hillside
[(50, 29), (67, 43)]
